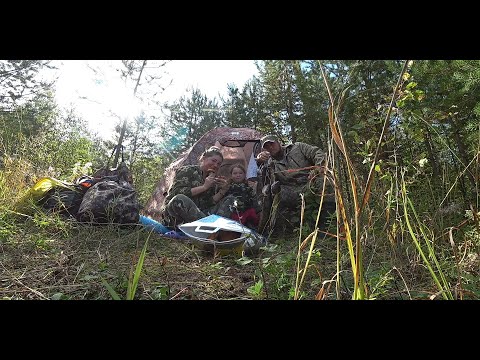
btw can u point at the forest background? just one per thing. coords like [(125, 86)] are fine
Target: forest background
[(404, 137)]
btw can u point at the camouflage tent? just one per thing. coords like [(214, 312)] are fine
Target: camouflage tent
[(236, 144)]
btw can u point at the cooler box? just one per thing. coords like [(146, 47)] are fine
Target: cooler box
[(206, 233)]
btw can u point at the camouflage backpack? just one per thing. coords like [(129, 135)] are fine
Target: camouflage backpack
[(112, 198), (63, 200)]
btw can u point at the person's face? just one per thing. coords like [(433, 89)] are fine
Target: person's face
[(272, 147), (238, 175), (211, 162)]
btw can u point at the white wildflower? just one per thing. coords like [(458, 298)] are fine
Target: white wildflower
[(422, 162)]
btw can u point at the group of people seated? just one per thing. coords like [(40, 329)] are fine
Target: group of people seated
[(197, 191)]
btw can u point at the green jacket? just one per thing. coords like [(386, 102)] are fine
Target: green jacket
[(296, 156), (186, 178)]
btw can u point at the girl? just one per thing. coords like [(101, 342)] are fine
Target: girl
[(245, 199)]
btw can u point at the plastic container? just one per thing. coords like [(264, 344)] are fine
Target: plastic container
[(155, 225)]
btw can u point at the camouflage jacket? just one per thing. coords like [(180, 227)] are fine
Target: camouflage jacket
[(298, 155), (186, 178), (243, 194)]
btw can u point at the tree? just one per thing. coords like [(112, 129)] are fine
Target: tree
[(189, 119), (19, 81), (246, 108), (281, 96), (146, 79)]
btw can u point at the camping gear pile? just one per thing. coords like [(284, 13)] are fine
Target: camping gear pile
[(54, 195), (109, 196), (111, 199), (106, 197)]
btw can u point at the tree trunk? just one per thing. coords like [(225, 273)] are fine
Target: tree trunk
[(118, 148), (124, 127)]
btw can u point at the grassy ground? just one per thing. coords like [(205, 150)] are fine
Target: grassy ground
[(47, 257), (70, 263)]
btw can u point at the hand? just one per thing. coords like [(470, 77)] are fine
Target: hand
[(223, 183), (263, 156), (209, 181)]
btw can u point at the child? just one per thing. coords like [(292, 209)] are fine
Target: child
[(244, 195)]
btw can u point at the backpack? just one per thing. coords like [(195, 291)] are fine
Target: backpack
[(53, 195), (63, 200), (111, 199)]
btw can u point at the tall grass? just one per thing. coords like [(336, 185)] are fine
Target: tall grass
[(428, 253), (133, 278), (354, 247), (135, 275)]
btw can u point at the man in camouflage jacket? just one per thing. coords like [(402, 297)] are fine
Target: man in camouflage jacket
[(297, 168)]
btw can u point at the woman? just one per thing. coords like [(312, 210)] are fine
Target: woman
[(192, 194)]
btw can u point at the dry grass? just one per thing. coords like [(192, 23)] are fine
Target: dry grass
[(42, 267)]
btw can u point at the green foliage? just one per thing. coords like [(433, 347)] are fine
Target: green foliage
[(381, 284), (135, 276), (426, 251), (276, 273), (110, 290), (245, 108), (59, 296), (256, 290), (161, 293), (37, 134), (196, 114), (146, 173), (7, 227), (20, 82)]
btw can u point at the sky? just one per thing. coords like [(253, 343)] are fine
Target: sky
[(101, 97)]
